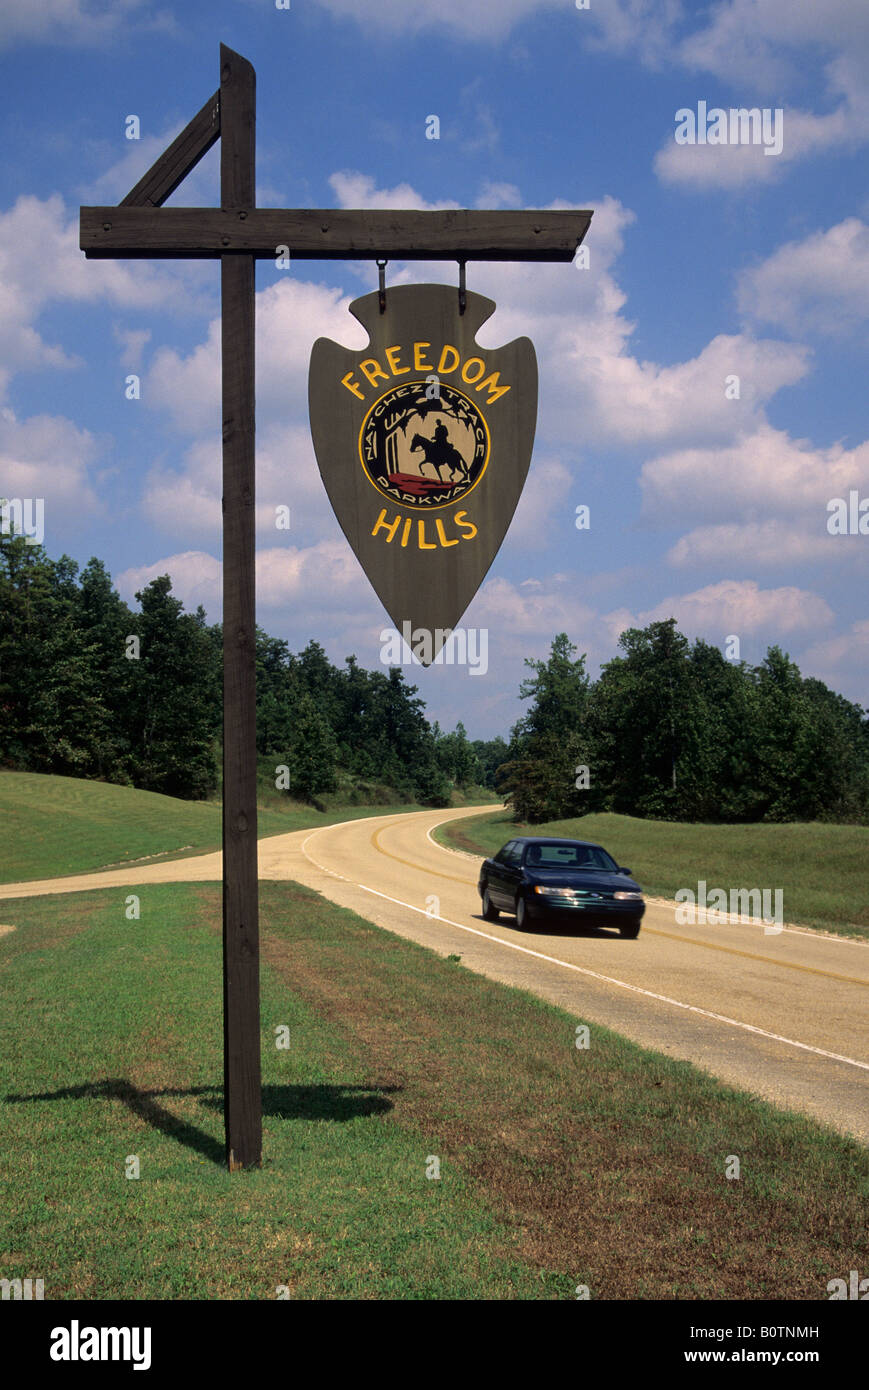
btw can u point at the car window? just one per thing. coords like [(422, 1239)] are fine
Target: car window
[(514, 858), (570, 857), (503, 855)]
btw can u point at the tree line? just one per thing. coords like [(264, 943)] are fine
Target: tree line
[(90, 688), (673, 730), (669, 730)]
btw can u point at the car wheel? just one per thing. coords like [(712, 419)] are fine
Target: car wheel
[(631, 930), (521, 913), (490, 911)]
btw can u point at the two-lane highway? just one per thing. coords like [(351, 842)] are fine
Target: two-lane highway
[(783, 1015)]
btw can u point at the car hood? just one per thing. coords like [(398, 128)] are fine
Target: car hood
[(593, 881)]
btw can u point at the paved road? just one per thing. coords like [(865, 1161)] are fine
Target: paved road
[(783, 1016)]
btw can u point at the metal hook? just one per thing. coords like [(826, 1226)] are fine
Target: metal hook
[(462, 288), (381, 266)]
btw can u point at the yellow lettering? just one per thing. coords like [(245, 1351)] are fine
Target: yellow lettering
[(442, 533), (470, 362), (396, 370), (375, 370), (417, 358), (469, 525), (352, 385), (491, 384), (406, 532), (442, 365), (423, 544), (391, 530)]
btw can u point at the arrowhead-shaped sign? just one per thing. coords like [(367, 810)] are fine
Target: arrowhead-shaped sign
[(423, 440)]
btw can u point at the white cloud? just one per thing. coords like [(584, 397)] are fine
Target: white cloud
[(643, 403), (799, 135), (761, 476), (356, 190), (702, 167), (290, 315), (499, 195), (547, 488), (479, 19), (133, 343), (62, 21), (324, 579), (733, 605), (819, 284), (532, 607), (771, 544), (759, 41), (48, 456), (646, 28), (761, 49), (187, 502), (41, 264), (841, 660), (195, 579)]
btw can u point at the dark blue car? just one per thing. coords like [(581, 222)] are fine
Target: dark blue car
[(538, 877)]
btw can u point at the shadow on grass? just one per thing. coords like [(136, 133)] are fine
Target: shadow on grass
[(336, 1103)]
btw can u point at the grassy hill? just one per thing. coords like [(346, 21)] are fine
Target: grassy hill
[(65, 825), (820, 868)]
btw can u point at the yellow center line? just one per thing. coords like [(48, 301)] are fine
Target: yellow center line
[(752, 955), (651, 931)]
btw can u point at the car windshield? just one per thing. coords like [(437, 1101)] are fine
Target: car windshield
[(569, 857)]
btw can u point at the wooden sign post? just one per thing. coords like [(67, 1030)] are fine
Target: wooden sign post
[(239, 233)]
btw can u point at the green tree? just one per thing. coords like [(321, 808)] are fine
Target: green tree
[(314, 751), (456, 756), (550, 741), (170, 715)]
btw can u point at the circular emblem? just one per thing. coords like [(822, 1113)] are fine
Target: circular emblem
[(424, 445)]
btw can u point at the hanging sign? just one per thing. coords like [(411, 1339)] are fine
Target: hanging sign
[(423, 441)]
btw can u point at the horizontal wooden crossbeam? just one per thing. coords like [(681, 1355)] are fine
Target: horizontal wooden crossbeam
[(175, 163), (331, 234)]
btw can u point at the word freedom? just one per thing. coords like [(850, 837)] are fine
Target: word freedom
[(457, 647), (473, 371), (738, 126)]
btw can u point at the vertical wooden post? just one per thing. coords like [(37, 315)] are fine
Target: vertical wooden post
[(241, 1017)]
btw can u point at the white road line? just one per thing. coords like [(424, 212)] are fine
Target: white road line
[(820, 935), (580, 969)]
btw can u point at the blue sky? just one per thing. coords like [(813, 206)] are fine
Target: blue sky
[(706, 261)]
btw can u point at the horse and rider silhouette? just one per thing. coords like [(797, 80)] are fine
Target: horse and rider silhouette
[(440, 453)]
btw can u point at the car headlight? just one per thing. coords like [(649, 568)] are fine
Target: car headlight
[(634, 897), (559, 892)]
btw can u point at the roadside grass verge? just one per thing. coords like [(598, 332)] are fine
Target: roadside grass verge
[(820, 868), (559, 1166), (53, 826)]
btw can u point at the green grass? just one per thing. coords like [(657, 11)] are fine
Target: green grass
[(558, 1167), (53, 826), (820, 868)]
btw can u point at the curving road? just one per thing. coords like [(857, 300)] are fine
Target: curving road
[(783, 1016)]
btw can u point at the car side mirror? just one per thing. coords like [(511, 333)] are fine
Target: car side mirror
[(625, 871)]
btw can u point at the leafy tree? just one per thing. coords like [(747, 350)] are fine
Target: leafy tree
[(456, 756), (314, 751), (548, 743), (169, 719), (490, 754)]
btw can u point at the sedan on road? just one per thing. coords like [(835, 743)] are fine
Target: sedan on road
[(537, 877)]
